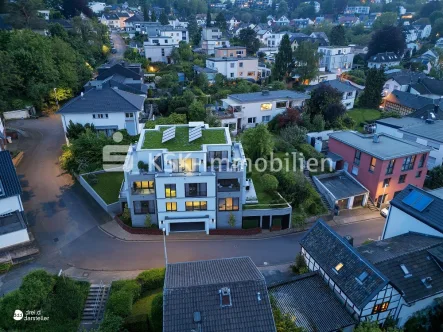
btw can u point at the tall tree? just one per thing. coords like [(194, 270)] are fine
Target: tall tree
[(435, 16), (338, 36), (306, 61), (192, 28), (257, 142), (437, 30), (428, 8), (75, 7), (385, 19), (153, 16), (163, 19), (283, 60), (146, 12), (321, 98), (387, 39), (220, 22), (208, 17), (23, 14), (371, 97), (248, 37)]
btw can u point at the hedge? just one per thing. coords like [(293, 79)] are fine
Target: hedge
[(151, 279), (120, 303), (250, 223), (309, 151), (156, 317), (111, 323), (131, 286)]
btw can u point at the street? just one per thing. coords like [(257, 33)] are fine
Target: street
[(119, 45), (64, 220)]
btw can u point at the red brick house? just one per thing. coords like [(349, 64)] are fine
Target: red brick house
[(384, 164)]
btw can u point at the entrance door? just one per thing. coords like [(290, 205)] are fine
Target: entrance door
[(238, 124), (381, 199), (266, 222)]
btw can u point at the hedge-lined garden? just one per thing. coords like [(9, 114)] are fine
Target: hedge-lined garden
[(61, 299), (136, 305)]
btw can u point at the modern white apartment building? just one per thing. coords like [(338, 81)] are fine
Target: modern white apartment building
[(159, 49), (190, 178), (274, 40), (232, 68), (357, 10), (230, 51), (336, 59), (246, 110), (212, 38)]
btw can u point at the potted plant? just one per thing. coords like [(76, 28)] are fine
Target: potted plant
[(141, 166)]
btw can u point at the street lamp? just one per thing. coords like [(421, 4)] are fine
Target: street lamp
[(164, 245)]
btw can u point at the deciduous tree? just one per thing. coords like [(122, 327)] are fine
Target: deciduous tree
[(306, 59), (163, 19), (257, 142), (385, 19), (387, 39), (371, 97), (220, 22), (248, 37), (321, 98), (338, 36)]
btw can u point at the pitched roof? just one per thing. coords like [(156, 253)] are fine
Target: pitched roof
[(407, 99), (431, 216), (104, 100), (329, 249), (384, 57), (429, 86), (388, 147), (432, 131), (267, 95), (194, 287), (9, 182), (135, 18), (337, 84), (419, 254), (119, 69), (312, 303), (405, 77)]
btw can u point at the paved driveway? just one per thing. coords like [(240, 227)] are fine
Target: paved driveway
[(119, 45)]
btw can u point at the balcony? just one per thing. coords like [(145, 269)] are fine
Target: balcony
[(142, 191), (228, 185)]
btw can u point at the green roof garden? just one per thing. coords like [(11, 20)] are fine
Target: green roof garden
[(153, 139)]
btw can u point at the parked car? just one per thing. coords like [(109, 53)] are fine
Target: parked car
[(113, 51), (384, 212)]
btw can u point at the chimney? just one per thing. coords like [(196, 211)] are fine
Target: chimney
[(376, 138), (349, 239), (427, 282)]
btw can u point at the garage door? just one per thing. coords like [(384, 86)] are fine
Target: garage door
[(343, 204), (358, 201), (187, 227)]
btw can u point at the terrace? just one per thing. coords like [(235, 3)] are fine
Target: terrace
[(153, 139)]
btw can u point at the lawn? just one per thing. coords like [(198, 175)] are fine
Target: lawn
[(362, 115), (264, 196), (153, 139), (108, 185)]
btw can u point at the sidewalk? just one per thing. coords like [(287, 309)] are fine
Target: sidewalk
[(356, 215)]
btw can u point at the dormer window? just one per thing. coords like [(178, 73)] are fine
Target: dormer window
[(427, 282), (362, 277), (405, 271), (225, 297)]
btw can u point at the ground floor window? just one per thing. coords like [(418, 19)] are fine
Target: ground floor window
[(380, 307), (228, 204), (171, 206), (144, 207), (197, 206)]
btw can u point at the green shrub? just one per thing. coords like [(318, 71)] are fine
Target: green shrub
[(120, 303), (309, 151), (126, 216), (151, 279), (270, 182), (137, 323), (131, 286), (8, 304), (156, 317), (4, 267), (37, 285), (111, 323), (299, 266), (250, 223), (68, 299)]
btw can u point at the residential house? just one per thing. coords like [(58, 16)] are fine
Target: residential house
[(404, 103), (429, 59), (192, 178), (282, 21), (357, 10), (401, 80), (427, 87), (297, 38), (132, 24), (423, 30), (301, 23), (212, 38), (439, 43), (316, 5), (210, 73), (233, 68), (336, 59), (97, 7), (274, 39), (178, 34), (410, 33), (232, 23), (246, 110), (122, 17), (230, 51), (382, 163), (106, 107), (125, 76), (3, 138), (414, 210), (348, 91), (412, 264), (220, 295), (159, 49), (384, 60), (112, 21), (263, 36), (426, 132), (320, 35), (348, 20), (13, 229), (312, 305)]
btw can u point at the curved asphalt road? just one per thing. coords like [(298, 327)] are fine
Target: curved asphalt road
[(64, 219)]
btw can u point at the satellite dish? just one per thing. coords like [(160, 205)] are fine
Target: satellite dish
[(432, 115)]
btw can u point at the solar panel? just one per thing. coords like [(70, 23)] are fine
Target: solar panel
[(195, 133), (417, 200), (168, 134)]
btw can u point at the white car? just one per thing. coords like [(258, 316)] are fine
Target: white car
[(384, 212)]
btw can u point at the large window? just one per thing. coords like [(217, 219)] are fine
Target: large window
[(372, 165), (357, 157), (266, 107), (195, 189), (143, 187), (196, 206), (223, 155), (390, 168), (280, 104), (171, 206), (144, 207), (421, 162), (184, 165), (402, 178), (380, 307), (408, 163), (266, 118), (252, 120), (228, 204), (170, 191), (386, 182)]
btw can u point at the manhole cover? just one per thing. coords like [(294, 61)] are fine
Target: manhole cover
[(56, 239), (85, 274)]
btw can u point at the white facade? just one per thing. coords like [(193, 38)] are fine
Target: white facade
[(7, 206), (159, 49), (336, 59), (212, 38), (274, 39), (386, 64), (106, 122), (233, 68), (391, 85), (357, 10), (399, 222), (97, 7)]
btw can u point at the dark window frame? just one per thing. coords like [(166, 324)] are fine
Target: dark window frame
[(172, 188), (198, 191), (170, 205), (235, 204), (145, 207), (372, 165), (194, 207), (390, 168), (402, 178), (357, 157), (408, 163), (421, 161)]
